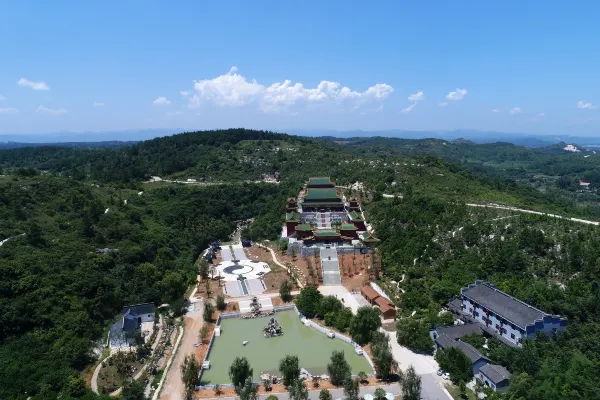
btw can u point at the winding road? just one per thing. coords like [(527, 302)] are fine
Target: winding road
[(509, 208)]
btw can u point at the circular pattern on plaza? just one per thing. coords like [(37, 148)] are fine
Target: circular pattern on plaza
[(231, 271)]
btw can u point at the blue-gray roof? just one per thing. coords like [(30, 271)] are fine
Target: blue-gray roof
[(458, 331), (495, 373), (502, 304), (137, 309)]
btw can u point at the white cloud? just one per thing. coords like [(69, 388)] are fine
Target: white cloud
[(443, 104), (2, 98), (234, 90), (174, 113), (409, 108), (185, 93), (496, 110), (459, 94), (96, 104), (161, 101), (419, 96), (583, 104), (32, 85), (514, 111), (538, 117), (9, 110), (51, 111)]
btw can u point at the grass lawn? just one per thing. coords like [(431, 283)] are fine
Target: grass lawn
[(109, 379), (455, 392)]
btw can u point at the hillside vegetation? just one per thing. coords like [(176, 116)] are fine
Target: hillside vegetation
[(86, 252)]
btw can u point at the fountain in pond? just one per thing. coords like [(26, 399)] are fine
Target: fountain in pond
[(272, 329)]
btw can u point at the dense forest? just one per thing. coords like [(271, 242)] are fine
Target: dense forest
[(86, 251), (551, 169), (549, 263), (87, 235)]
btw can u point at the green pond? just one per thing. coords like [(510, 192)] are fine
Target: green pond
[(312, 347)]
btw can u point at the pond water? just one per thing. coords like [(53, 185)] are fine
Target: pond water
[(312, 347)]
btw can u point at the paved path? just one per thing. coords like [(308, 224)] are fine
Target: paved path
[(335, 393), (424, 365), (173, 386), (499, 207), (341, 293), (137, 376), (330, 267), (6, 240)]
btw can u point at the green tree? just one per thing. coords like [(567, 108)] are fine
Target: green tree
[(221, 304), (362, 376), (248, 391), (308, 301), (351, 389), (190, 369), (411, 385), (203, 333), (293, 252), (325, 394), (338, 368), (298, 390), (364, 324), (446, 319), (271, 397), (382, 355), (133, 390), (267, 384), (414, 334), (285, 291), (463, 389), (290, 369), (329, 304), (209, 309), (239, 372), (456, 363), (75, 386), (203, 268), (379, 394), (343, 320)]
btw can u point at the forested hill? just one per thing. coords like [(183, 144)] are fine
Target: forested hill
[(500, 158), (87, 236)]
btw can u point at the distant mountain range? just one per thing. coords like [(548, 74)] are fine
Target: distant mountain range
[(117, 138), (480, 137)]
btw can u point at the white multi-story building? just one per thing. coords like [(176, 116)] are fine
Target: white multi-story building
[(506, 316)]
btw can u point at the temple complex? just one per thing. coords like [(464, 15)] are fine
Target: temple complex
[(321, 214)]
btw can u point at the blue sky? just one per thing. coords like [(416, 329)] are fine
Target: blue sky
[(418, 65)]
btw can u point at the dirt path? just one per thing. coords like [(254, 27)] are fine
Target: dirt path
[(499, 207), (173, 388), (276, 261)]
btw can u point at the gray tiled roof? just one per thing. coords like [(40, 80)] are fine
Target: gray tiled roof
[(137, 309), (444, 341), (495, 373), (458, 331), (470, 351), (502, 304)]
